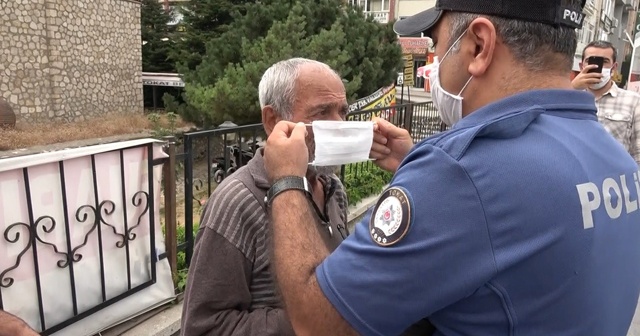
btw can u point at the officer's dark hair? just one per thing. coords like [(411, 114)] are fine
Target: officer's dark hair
[(539, 46), (602, 45)]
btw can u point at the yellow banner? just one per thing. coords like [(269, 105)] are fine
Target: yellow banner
[(383, 97)]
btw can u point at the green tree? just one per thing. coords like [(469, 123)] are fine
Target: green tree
[(224, 86), (156, 42), (203, 20)]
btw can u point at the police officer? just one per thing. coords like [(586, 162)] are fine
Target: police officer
[(523, 219)]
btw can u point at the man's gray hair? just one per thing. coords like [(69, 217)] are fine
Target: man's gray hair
[(277, 87), (535, 45)]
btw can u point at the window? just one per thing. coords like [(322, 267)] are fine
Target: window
[(371, 5)]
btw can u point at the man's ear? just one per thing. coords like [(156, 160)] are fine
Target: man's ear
[(269, 119), (483, 33)]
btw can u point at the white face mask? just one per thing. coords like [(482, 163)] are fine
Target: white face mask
[(341, 142), (449, 106), (606, 77)]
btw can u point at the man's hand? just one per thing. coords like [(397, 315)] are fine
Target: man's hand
[(11, 325), (390, 144), (584, 79), (286, 153)]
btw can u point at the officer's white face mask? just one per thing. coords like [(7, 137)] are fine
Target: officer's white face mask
[(341, 142), (606, 77), (449, 106)]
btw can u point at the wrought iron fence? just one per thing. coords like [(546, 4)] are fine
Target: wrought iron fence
[(209, 157), (34, 239)]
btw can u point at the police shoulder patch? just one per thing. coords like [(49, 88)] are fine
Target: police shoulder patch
[(391, 217)]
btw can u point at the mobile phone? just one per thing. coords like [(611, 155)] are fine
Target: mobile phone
[(597, 60)]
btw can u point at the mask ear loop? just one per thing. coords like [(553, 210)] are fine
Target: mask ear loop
[(454, 44), (465, 86), (447, 53)]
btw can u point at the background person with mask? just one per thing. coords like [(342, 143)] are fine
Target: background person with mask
[(618, 109), (521, 220)]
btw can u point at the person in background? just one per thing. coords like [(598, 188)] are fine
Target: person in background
[(618, 109)]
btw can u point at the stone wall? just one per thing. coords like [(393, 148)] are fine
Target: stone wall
[(69, 60)]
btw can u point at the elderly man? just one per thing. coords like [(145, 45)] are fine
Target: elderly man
[(230, 290), (522, 219)]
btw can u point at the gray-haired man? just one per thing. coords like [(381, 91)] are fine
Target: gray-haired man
[(230, 290)]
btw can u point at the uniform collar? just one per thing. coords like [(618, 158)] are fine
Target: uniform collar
[(581, 103)]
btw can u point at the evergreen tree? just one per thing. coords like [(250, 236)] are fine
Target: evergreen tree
[(203, 20), (156, 42), (224, 86)]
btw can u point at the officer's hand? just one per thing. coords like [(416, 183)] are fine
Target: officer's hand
[(286, 153), (584, 79), (390, 144)]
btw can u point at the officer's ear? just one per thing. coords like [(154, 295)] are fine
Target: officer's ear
[(483, 34)]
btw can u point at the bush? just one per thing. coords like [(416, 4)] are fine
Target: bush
[(181, 265), (362, 180)]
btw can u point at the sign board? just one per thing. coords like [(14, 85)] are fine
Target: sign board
[(417, 46), (408, 70), (151, 82), (383, 97), (77, 203), (636, 28), (162, 79), (400, 80)]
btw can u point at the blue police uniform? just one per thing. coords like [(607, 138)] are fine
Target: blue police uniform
[(521, 220)]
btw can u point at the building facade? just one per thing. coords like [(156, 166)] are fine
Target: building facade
[(609, 20), (70, 60)]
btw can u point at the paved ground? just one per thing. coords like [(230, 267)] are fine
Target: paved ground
[(414, 95)]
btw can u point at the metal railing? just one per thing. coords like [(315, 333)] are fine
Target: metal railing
[(219, 152), (36, 237)]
